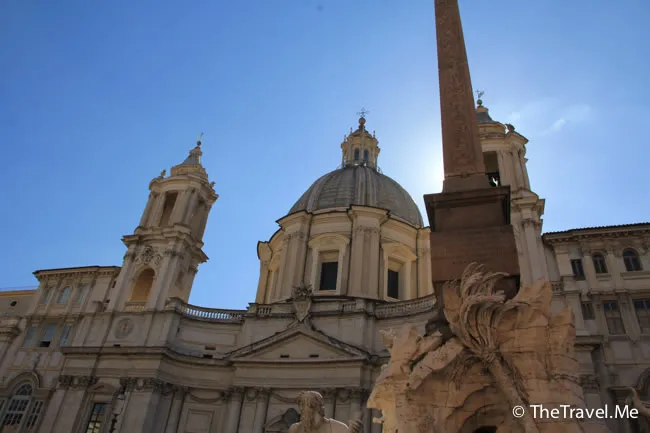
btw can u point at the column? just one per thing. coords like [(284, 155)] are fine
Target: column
[(329, 395), (356, 267), (163, 279), (315, 253), (65, 421), (339, 270), (531, 244), (187, 207), (524, 169), (234, 410), (408, 293), (147, 209), (261, 408), (505, 170), (613, 259), (175, 411), (588, 265), (373, 263), (519, 178), (52, 410), (355, 403), (157, 210), (262, 285)]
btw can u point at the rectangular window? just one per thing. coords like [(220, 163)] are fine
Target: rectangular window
[(81, 294), (64, 295), (328, 274), (65, 334), (587, 311), (613, 317), (393, 284), (34, 412), (29, 335), (578, 271), (599, 263), (48, 336), (96, 418), (642, 309)]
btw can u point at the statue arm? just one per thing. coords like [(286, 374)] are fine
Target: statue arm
[(638, 404)]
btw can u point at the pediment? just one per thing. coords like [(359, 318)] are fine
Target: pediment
[(298, 344)]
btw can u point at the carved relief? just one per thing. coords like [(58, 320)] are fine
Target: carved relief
[(77, 382), (123, 328), (301, 295), (494, 353), (148, 256)]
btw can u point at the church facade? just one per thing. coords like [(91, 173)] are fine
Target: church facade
[(108, 348)]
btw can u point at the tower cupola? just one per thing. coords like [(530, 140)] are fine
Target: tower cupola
[(360, 148)]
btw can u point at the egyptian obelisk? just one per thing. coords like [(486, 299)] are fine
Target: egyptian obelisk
[(469, 219)]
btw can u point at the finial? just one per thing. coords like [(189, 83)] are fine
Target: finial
[(479, 95), (362, 113), (200, 140), (163, 173)]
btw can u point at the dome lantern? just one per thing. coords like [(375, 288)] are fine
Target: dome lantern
[(360, 148)]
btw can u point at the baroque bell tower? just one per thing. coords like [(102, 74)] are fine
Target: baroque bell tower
[(166, 248)]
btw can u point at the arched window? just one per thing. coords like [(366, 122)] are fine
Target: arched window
[(631, 260), (599, 263), (142, 286), (356, 155), (21, 412), (365, 155)]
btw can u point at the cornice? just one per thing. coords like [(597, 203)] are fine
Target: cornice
[(80, 272)]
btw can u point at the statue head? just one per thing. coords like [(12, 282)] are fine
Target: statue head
[(312, 409)]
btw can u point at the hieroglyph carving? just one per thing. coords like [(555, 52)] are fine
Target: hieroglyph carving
[(499, 354)]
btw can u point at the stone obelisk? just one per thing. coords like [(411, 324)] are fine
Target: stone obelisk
[(469, 219)]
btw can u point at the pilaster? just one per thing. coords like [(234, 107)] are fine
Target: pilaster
[(175, 410), (261, 408), (234, 409)]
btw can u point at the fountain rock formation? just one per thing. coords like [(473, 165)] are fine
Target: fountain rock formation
[(500, 354)]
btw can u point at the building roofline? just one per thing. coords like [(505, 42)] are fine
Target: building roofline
[(599, 229), (80, 268)]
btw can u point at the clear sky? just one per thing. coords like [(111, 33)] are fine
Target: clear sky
[(96, 98)]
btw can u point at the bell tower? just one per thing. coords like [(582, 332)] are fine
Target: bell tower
[(165, 250), (504, 153)]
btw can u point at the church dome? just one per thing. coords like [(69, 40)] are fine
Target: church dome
[(359, 183)]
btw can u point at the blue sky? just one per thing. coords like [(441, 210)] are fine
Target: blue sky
[(96, 98)]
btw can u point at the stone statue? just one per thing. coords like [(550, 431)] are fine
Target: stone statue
[(313, 420), (643, 408), (499, 355)]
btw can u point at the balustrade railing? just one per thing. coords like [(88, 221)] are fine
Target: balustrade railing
[(211, 314), (134, 306), (557, 286), (403, 308)]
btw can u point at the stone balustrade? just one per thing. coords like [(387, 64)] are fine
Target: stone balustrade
[(208, 314), (134, 306), (397, 309)]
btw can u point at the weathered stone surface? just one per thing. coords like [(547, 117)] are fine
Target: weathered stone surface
[(474, 380)]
